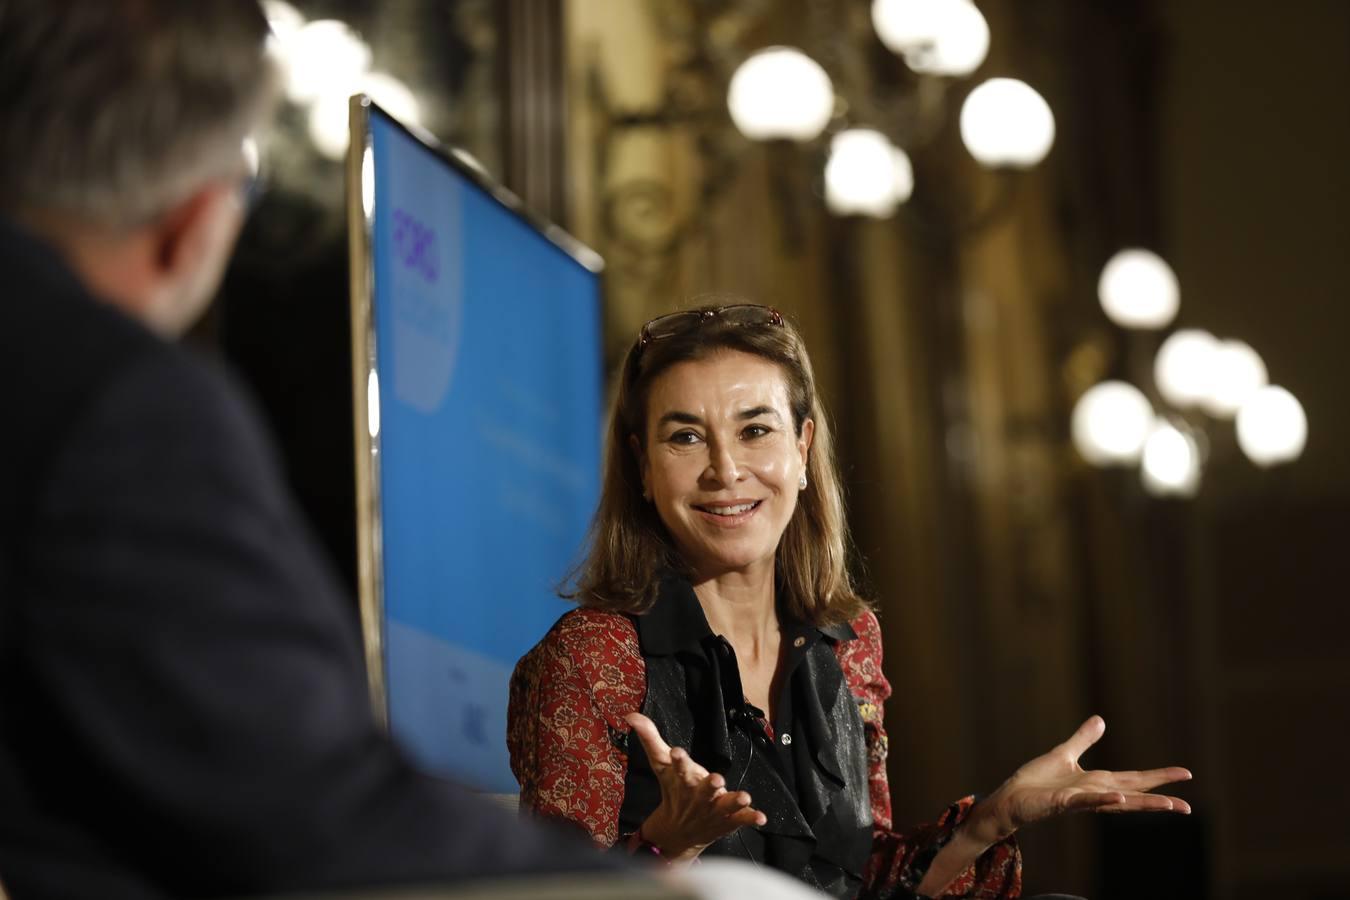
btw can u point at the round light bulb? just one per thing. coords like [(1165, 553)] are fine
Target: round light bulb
[(906, 26), (935, 37), (1238, 374), (1138, 289), (1110, 423), (1184, 367), (284, 20), (1272, 427), (1171, 462), (1004, 122), (327, 124), (323, 58), (866, 174), (780, 92)]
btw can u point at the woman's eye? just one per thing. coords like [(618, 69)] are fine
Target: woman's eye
[(684, 437), (754, 431)]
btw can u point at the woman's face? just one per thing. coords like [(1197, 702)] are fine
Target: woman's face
[(722, 462)]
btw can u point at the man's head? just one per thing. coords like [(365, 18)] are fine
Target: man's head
[(121, 130)]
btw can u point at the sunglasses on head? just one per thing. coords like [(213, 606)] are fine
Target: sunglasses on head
[(686, 320)]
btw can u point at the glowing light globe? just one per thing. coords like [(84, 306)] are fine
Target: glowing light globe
[(1238, 374), (1184, 367), (935, 37), (1272, 427), (1111, 422), (1170, 463), (1005, 123), (1138, 289), (866, 174), (324, 57), (780, 93)]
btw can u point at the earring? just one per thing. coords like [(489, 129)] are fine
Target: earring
[(801, 482), (647, 495)]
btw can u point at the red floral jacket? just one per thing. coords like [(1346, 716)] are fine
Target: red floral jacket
[(569, 695)]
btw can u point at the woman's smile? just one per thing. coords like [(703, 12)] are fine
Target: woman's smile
[(728, 514)]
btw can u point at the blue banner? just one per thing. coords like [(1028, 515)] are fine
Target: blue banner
[(489, 363)]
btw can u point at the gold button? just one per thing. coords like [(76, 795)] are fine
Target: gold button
[(799, 642)]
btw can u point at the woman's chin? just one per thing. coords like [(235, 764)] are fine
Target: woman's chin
[(714, 565)]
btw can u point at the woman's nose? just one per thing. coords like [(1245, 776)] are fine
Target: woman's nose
[(723, 467)]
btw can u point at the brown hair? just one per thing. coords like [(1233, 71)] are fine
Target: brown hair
[(629, 545)]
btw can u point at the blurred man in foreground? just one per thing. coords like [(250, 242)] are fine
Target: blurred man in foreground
[(184, 708)]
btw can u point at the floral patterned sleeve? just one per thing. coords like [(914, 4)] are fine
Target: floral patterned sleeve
[(901, 858), (565, 720)]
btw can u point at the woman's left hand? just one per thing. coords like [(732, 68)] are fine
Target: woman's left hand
[(1054, 783)]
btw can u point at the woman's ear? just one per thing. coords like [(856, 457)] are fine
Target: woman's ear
[(804, 442), (636, 446)]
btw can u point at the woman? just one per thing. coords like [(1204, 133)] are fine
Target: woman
[(719, 625)]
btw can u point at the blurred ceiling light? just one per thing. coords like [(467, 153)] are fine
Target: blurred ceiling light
[(1138, 289), (1111, 422), (329, 128), (935, 37), (284, 20), (324, 58), (780, 92), (1184, 367), (1004, 122), (1272, 427), (328, 116), (866, 174), (1171, 462), (1238, 374)]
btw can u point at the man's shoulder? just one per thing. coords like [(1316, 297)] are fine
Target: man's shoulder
[(97, 392), (60, 350), (62, 346)]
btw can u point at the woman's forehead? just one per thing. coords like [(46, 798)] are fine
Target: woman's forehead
[(725, 382)]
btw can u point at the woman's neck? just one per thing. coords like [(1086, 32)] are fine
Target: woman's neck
[(740, 607)]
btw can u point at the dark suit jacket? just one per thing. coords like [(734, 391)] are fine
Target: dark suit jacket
[(183, 706)]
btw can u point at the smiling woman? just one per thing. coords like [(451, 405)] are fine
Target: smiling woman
[(664, 412), (718, 614), (723, 462)]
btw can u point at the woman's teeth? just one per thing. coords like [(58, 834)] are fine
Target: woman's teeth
[(730, 510)]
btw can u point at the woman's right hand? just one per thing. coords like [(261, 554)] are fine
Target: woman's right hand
[(696, 808)]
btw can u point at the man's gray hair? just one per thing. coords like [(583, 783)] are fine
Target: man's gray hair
[(114, 110)]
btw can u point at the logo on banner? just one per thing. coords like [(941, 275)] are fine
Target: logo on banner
[(427, 297)]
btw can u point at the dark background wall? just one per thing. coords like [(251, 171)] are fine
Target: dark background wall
[(1254, 149)]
